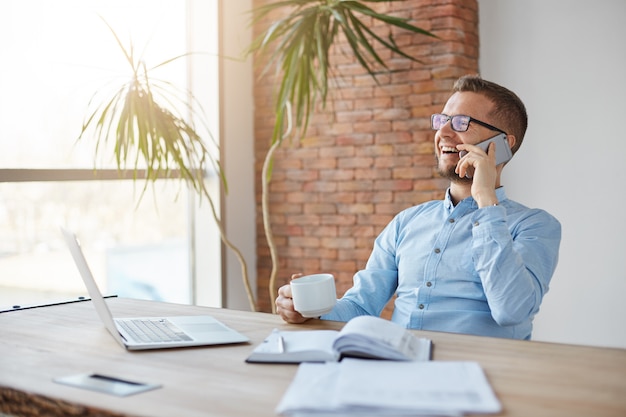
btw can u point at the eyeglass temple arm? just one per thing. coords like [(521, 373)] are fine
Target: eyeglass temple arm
[(487, 125)]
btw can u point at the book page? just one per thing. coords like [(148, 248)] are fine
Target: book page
[(308, 340), (380, 338), (296, 346)]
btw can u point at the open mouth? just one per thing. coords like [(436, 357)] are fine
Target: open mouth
[(448, 150)]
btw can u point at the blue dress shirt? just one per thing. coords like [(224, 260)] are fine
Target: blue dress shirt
[(459, 269)]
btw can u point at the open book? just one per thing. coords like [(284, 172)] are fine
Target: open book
[(362, 337)]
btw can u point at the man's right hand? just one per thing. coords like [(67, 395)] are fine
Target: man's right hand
[(284, 306)]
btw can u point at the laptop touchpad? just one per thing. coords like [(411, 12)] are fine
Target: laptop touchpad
[(195, 328)]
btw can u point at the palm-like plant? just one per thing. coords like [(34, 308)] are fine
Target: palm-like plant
[(297, 46), (151, 123)]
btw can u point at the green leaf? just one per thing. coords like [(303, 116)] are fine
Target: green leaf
[(147, 120), (297, 46)]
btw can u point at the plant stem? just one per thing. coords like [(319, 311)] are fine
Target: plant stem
[(269, 236), (265, 208), (242, 261)]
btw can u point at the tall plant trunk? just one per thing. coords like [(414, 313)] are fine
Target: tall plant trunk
[(265, 207), (267, 225), (242, 261)]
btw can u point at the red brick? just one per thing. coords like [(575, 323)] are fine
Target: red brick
[(337, 175), (301, 174), (393, 161), (393, 138), (333, 265), (321, 231), (356, 208), (304, 241), (287, 208), (356, 162), (322, 253), (394, 185), (391, 209), (354, 186), (364, 245), (355, 93), (434, 184), (372, 174), (392, 114), (318, 163), (319, 186), (411, 173), (302, 220), (354, 116), (374, 219), (321, 208), (284, 186), (356, 231), (301, 197), (375, 104), (375, 150), (338, 220), (373, 127), (342, 198), (338, 242), (373, 196), (394, 90), (356, 139), (338, 152), (303, 265)]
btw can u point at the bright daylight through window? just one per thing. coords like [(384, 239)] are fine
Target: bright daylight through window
[(56, 55)]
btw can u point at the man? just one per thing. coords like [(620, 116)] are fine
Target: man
[(475, 262)]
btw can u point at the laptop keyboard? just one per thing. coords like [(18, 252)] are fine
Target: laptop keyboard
[(153, 330)]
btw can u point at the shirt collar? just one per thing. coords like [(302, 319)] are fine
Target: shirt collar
[(500, 195)]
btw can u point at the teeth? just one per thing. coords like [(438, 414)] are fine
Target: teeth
[(448, 149)]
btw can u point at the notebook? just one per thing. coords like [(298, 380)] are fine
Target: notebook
[(140, 333)]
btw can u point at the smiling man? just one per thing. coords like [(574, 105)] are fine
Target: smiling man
[(475, 262)]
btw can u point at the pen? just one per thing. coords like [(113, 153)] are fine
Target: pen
[(280, 340), (281, 344)]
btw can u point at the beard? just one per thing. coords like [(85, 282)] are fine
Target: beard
[(448, 173)]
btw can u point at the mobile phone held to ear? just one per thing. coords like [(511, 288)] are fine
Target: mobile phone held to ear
[(503, 151)]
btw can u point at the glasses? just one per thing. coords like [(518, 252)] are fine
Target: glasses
[(459, 122)]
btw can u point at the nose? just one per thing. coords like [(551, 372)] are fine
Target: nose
[(446, 128)]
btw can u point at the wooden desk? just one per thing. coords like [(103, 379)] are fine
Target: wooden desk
[(530, 378)]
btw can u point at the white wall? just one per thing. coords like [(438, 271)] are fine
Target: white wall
[(567, 61)]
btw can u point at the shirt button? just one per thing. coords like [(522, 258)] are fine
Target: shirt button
[(476, 223), (437, 250), (429, 284), (421, 306), (451, 220)]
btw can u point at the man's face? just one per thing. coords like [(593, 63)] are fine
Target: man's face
[(446, 139)]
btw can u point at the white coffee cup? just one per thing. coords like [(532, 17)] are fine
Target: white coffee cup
[(314, 295)]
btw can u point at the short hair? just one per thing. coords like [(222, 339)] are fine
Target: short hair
[(509, 112)]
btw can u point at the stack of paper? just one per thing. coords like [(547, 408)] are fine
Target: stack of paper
[(384, 388)]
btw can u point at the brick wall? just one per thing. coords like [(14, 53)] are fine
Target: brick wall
[(368, 154)]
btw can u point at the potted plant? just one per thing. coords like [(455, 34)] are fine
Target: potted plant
[(151, 124), (297, 47)]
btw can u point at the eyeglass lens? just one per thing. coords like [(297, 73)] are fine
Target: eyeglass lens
[(459, 123)]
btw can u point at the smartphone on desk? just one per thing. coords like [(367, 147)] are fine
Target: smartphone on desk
[(503, 150)]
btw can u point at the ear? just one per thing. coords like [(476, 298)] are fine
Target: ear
[(512, 140)]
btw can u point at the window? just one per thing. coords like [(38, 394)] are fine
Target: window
[(60, 53)]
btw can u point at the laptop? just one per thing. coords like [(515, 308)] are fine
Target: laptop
[(141, 333)]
